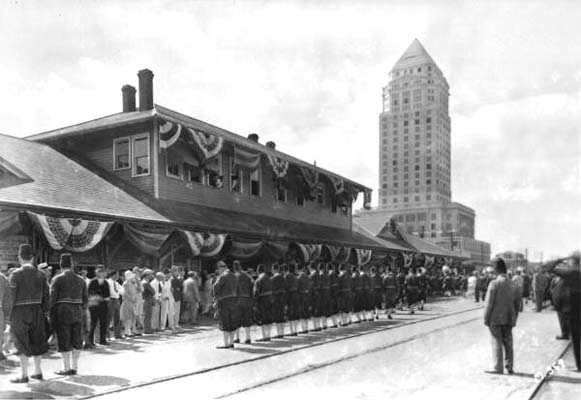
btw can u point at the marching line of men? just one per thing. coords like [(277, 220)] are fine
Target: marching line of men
[(307, 297)]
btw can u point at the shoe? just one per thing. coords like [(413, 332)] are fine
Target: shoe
[(104, 343), (389, 317), (247, 341), (510, 371), (19, 380), (293, 334), (139, 334), (64, 373), (38, 377), (222, 347), (88, 346), (262, 340), (561, 337), (493, 372), (73, 372), (237, 341)]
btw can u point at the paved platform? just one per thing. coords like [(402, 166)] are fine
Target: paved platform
[(178, 362)]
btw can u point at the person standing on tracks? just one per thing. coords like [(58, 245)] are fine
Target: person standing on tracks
[(303, 289), (390, 292), (263, 301), (68, 299), (500, 317), (292, 299), (226, 298), (278, 300), (245, 303), (571, 275), (315, 296)]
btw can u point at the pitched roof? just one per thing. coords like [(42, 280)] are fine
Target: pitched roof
[(415, 54), (58, 184), (124, 118)]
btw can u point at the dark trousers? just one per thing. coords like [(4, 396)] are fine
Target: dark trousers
[(575, 326), (479, 294), (564, 323), (502, 339), (147, 314), (98, 314), (113, 316), (539, 297)]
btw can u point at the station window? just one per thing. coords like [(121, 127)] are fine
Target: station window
[(255, 183), (121, 154), (321, 195), (281, 193), (194, 173), (235, 177), (140, 150)]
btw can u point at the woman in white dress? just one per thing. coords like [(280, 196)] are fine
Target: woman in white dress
[(128, 305)]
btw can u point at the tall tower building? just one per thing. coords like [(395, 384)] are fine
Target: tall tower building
[(415, 159), (414, 151)]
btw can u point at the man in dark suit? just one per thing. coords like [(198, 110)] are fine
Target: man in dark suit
[(500, 317), (559, 292), (571, 275), (225, 291)]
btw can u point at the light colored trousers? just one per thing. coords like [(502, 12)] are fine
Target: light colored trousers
[(155, 315), (167, 314), (176, 315)]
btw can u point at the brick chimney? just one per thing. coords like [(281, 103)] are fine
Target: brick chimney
[(253, 137), (145, 89), (271, 145), (128, 92)]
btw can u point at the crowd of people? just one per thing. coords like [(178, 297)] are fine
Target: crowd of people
[(557, 282)]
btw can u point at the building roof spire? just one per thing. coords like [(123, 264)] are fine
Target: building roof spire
[(415, 54)]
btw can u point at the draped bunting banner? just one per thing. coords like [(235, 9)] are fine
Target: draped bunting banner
[(9, 223), (311, 179), (206, 145), (205, 245), (146, 239), (245, 249), (338, 253), (310, 252), (363, 256), (429, 261), (408, 260), (169, 133), (279, 166), (246, 160), (71, 234), (345, 195)]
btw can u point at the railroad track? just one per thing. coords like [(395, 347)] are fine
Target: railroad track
[(304, 347)]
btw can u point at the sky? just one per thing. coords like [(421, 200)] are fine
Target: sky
[(308, 75)]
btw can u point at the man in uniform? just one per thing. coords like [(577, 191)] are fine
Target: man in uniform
[(539, 287), (325, 294), (377, 291), (29, 305), (292, 299), (344, 295), (356, 288), (366, 293), (390, 288), (245, 302), (263, 299), (68, 300), (278, 300), (400, 282), (412, 289), (304, 291), (334, 293), (315, 296), (423, 283), (225, 291)]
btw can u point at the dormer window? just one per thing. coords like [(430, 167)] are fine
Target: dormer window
[(121, 156), (140, 150)]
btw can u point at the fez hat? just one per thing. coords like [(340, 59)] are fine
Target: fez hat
[(66, 260), (25, 252)]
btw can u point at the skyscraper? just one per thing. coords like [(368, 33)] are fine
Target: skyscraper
[(414, 133), (415, 158)]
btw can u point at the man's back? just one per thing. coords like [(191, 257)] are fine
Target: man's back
[(501, 308)]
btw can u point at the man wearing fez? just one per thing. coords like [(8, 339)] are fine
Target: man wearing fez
[(245, 302), (226, 301), (30, 294), (571, 275), (500, 316), (263, 299), (68, 300)]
